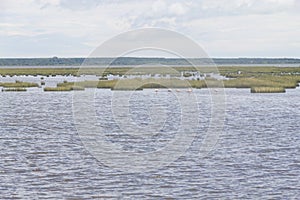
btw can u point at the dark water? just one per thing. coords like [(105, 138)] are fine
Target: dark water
[(121, 66), (257, 155)]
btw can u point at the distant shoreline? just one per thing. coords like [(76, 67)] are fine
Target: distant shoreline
[(138, 61), (132, 66)]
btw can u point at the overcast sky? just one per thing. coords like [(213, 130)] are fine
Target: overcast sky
[(224, 28)]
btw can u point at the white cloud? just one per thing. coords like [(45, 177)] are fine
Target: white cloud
[(245, 24), (49, 2), (248, 35), (159, 6), (177, 9), (214, 8)]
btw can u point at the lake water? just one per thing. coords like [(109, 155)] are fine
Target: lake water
[(256, 157), (122, 66)]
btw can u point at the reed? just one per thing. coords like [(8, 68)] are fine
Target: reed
[(231, 72), (198, 84), (57, 89), (129, 84), (243, 77), (138, 83), (75, 87), (14, 89), (18, 84), (263, 81), (67, 88), (248, 83), (267, 90), (284, 80), (84, 84), (246, 72)]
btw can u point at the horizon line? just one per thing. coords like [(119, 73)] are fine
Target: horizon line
[(147, 57)]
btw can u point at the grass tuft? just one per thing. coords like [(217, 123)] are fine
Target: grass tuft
[(61, 89), (57, 89), (19, 84), (14, 89), (267, 90)]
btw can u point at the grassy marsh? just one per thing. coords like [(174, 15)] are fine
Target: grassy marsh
[(14, 89), (263, 81), (61, 89), (267, 90), (129, 84), (230, 72), (19, 84), (137, 83), (57, 89), (239, 77)]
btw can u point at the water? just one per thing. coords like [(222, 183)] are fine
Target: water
[(122, 66), (257, 155), (50, 81)]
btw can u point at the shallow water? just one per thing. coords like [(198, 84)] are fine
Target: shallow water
[(257, 155), (50, 81), (122, 66)]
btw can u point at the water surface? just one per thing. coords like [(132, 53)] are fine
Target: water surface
[(257, 156)]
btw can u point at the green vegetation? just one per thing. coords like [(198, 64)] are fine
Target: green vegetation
[(239, 77), (129, 84), (57, 89), (38, 71), (18, 84), (139, 84), (230, 72), (246, 72), (74, 87), (60, 89), (267, 90), (263, 81), (14, 89)]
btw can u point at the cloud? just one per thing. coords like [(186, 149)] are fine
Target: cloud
[(79, 4), (248, 35), (159, 6), (244, 7), (244, 24), (43, 45), (177, 9)]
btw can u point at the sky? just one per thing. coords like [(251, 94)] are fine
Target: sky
[(223, 28)]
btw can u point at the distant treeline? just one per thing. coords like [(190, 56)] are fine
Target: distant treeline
[(55, 61)]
